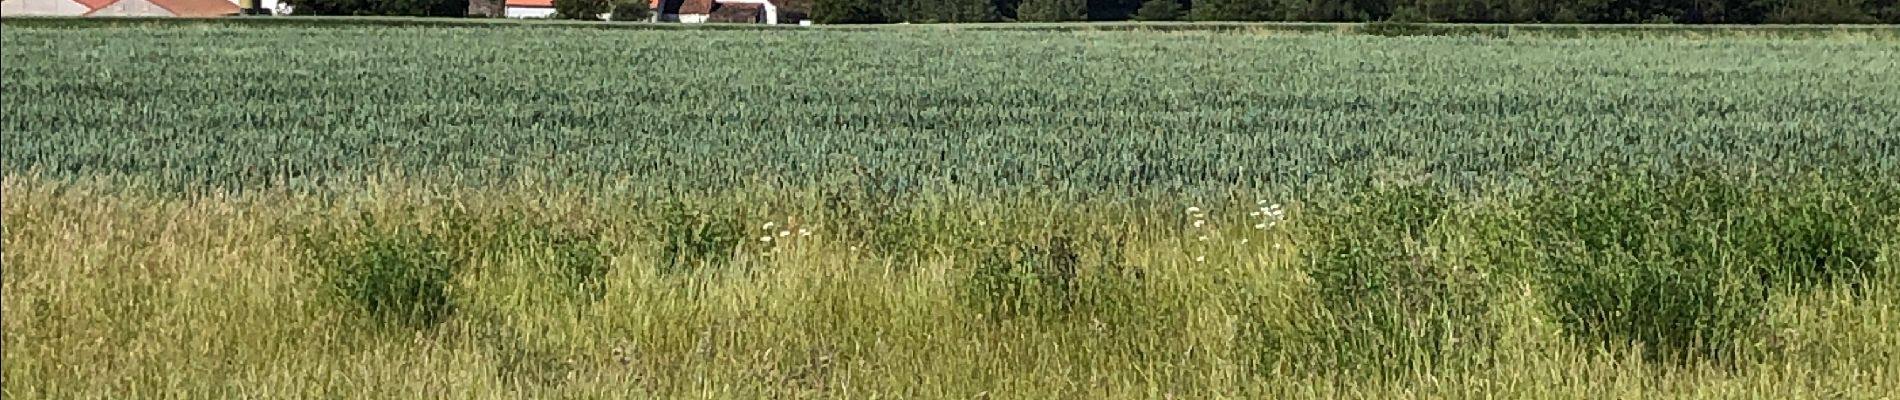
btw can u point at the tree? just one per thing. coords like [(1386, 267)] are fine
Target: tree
[(1052, 10), (631, 10), (1888, 11), (950, 11), (848, 12), (1235, 10), (1112, 10), (1159, 10), (1821, 12), (589, 10), (410, 8)]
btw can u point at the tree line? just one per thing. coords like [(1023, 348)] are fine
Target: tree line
[(1479, 11)]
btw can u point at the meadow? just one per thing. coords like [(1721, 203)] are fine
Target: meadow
[(499, 211)]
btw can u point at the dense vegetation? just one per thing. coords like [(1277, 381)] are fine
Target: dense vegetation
[(260, 210), (1516, 11), (1120, 113)]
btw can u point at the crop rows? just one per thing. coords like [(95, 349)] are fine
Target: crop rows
[(1091, 113)]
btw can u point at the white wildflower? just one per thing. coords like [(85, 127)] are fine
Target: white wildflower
[(804, 232), (1200, 258), (1262, 225), (1253, 214), (784, 233), (766, 238), (769, 226), (1194, 210), (1198, 223), (1243, 241), (1261, 202), (1203, 238)]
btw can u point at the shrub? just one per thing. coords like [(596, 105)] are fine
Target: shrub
[(1233, 10), (1159, 10), (847, 12), (631, 10), (1380, 278), (1055, 276), (692, 238), (578, 264), (1822, 12), (587, 10), (1632, 262), (396, 274), (413, 8), (1052, 10)]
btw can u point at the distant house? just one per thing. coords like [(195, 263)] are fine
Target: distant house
[(120, 8), (530, 8), (697, 11)]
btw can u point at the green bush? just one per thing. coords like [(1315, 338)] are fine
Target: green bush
[(1377, 263), (1159, 10), (412, 8), (396, 274), (1052, 10), (847, 12), (1048, 277), (1653, 261), (692, 238), (1234, 10), (586, 10), (631, 10)]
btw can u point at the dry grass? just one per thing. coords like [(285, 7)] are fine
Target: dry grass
[(117, 294)]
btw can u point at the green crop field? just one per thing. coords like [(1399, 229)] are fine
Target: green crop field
[(325, 209)]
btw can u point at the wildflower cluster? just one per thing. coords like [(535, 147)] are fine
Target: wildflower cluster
[(1200, 227), (778, 235), (1269, 214)]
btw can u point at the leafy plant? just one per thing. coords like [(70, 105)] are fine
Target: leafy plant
[(395, 274)]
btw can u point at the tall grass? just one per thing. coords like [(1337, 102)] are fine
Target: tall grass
[(1690, 286)]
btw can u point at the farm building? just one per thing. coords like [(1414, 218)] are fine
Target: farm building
[(120, 8), (686, 11), (696, 11), (530, 8)]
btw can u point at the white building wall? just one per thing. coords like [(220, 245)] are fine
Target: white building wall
[(530, 12), (12, 8), (131, 8)]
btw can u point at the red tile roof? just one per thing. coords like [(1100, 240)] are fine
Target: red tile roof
[(197, 8), (531, 3)]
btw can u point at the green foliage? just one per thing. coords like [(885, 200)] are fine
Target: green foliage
[(631, 10), (395, 273), (573, 258), (947, 11), (1053, 276), (1052, 10), (1391, 296), (848, 12), (1823, 11), (589, 10), (416, 8), (968, 137), (692, 238), (1634, 263), (1159, 10), (1234, 10), (1684, 264)]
